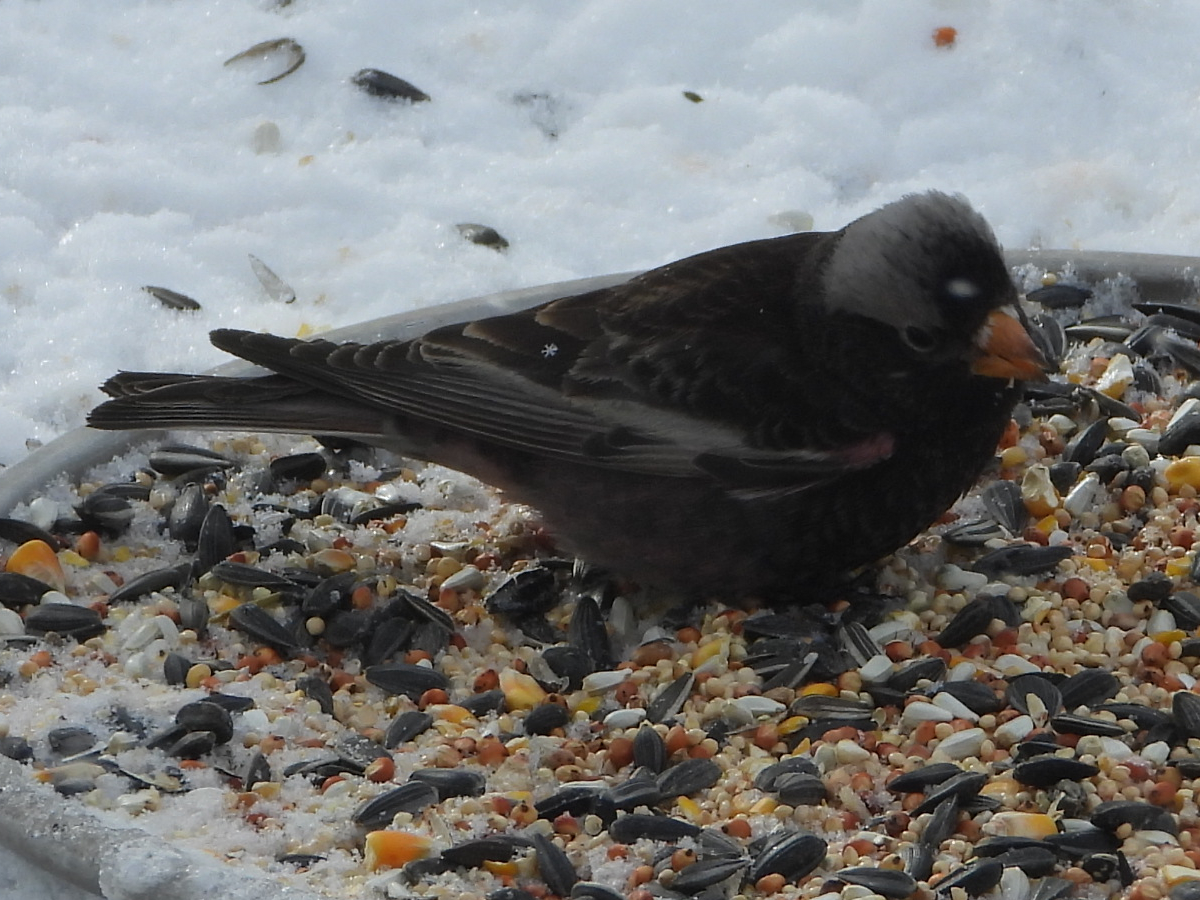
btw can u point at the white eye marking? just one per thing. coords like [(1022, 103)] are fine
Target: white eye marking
[(962, 289)]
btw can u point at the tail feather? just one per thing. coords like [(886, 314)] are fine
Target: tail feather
[(154, 400)]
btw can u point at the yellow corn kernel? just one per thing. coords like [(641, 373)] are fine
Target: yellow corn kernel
[(708, 651), (823, 689), (71, 558), (393, 849), (37, 560), (764, 807), (690, 808), (1185, 470), (1019, 824), (792, 724), (521, 691), (1169, 637)]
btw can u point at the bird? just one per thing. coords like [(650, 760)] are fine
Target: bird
[(756, 420)]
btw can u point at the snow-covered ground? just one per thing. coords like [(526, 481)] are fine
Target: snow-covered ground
[(130, 155)]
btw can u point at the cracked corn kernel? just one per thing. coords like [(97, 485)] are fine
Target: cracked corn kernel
[(393, 849)]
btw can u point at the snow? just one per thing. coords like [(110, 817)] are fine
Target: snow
[(130, 156)]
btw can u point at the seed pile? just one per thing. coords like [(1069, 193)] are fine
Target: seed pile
[(377, 679)]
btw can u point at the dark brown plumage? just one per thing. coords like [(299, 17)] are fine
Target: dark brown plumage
[(743, 421)]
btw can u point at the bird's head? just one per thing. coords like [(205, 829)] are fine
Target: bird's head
[(929, 270)]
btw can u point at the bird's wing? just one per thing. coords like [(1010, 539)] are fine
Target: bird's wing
[(573, 379)]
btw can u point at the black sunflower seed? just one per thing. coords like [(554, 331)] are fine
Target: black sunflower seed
[(216, 540), (298, 467), (1069, 723), (106, 511), (260, 625), (1185, 710), (790, 854), (1155, 587), (171, 299), (633, 826), (573, 800), (531, 591), (1141, 816), (907, 675), (17, 590), (379, 811), (1045, 771), (800, 789), (231, 703), (330, 594), (1085, 445), (70, 740), (175, 668), (587, 633), (1185, 890), (405, 727), (767, 778), (969, 622), (1063, 475), (570, 663), (452, 782), (204, 715), (257, 770), (959, 787), (545, 717), (242, 575), (66, 619), (405, 678), (1002, 500), (1060, 296), (705, 873), (1087, 688), (381, 84), (1185, 606), (628, 795), (918, 860), (649, 749), (317, 688), (856, 641), (159, 580), (1021, 559), (885, 882), (1079, 843), (583, 890), (1036, 862), (554, 866), (974, 695), (1180, 434), (1002, 844), (484, 235), (716, 844), (193, 745), (670, 699), (173, 460), (689, 777), (975, 878), (1142, 716), (472, 854), (1022, 686), (923, 777), (480, 705)]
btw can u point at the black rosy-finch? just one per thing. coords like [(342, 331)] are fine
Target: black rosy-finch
[(746, 421)]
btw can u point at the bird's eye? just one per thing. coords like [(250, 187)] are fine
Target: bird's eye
[(920, 339), (962, 289)]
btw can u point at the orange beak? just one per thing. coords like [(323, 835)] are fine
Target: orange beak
[(1005, 350)]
